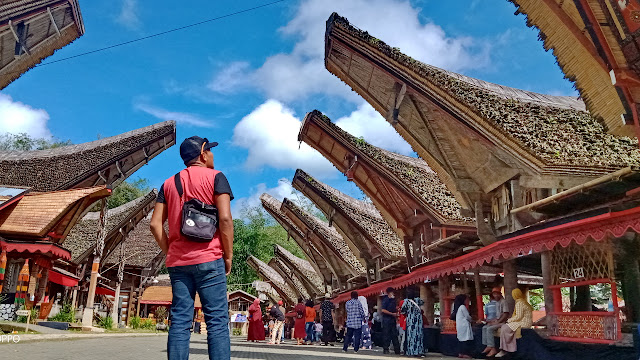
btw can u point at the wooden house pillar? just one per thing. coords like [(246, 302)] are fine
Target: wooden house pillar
[(630, 253), (427, 296), (510, 281), (443, 292), (478, 288), (545, 260)]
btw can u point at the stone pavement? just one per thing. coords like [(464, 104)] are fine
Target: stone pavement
[(154, 347)]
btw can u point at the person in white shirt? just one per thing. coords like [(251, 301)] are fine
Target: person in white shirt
[(463, 325)]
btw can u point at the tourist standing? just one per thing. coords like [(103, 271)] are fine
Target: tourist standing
[(366, 331), (522, 318), (496, 313), (278, 327), (196, 264), (355, 317), (389, 322), (256, 326), (463, 325), (299, 331), (413, 333), (310, 318), (327, 310)]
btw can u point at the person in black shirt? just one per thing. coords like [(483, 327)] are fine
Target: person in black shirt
[(389, 320), (278, 316), (327, 309)]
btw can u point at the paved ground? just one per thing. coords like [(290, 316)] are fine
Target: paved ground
[(154, 347)]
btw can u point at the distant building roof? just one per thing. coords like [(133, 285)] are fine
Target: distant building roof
[(268, 274), (302, 267), (82, 238), (107, 161)]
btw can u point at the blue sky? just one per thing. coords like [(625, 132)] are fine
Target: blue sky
[(246, 81)]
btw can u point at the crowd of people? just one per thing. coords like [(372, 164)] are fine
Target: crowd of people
[(397, 325)]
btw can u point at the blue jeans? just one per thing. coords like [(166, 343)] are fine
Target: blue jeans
[(354, 334), (210, 281), (308, 328)]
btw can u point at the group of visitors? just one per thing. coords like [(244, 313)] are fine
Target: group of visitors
[(402, 323), (497, 318)]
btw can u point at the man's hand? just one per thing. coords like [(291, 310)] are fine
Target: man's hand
[(227, 266)]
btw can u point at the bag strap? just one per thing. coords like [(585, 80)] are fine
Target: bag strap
[(414, 303), (176, 179)]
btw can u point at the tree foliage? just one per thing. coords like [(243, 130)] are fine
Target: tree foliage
[(24, 142), (128, 191), (256, 233)]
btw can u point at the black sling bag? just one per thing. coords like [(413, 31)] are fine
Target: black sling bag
[(199, 220)]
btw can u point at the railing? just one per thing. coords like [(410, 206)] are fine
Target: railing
[(585, 326)]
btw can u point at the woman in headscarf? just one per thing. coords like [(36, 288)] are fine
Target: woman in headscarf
[(463, 326), (366, 332), (256, 326), (414, 334), (522, 318), (299, 332)]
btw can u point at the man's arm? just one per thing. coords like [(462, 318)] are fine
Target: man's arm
[(225, 225), (157, 219), (385, 311)]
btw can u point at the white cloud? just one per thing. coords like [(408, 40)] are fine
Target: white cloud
[(16, 117), (270, 134), (301, 73), (230, 78), (128, 16), (179, 117), (368, 123), (282, 190)]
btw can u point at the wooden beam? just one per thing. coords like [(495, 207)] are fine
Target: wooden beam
[(441, 242), (18, 40), (53, 21)]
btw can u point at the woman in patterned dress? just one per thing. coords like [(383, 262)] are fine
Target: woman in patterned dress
[(414, 334), (366, 331), (522, 318)]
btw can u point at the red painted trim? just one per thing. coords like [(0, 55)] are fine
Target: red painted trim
[(36, 247), (155, 302), (580, 283), (585, 313), (62, 279)]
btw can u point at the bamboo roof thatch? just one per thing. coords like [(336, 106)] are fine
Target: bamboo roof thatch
[(48, 215), (140, 249), (32, 30), (464, 127), (290, 277), (121, 221), (335, 248), (398, 185), (355, 220), (268, 274), (303, 269), (107, 161), (602, 61), (263, 287), (315, 256)]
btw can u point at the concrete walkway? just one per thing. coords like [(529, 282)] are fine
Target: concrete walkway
[(11, 326)]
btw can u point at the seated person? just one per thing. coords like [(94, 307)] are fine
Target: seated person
[(522, 318), (496, 313)]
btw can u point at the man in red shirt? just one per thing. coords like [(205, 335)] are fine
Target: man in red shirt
[(196, 265)]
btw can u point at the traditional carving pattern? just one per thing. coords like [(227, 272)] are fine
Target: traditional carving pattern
[(449, 326), (584, 326)]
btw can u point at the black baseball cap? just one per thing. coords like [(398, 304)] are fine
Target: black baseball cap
[(191, 147)]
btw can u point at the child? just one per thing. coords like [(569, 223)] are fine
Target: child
[(463, 326), (318, 331)]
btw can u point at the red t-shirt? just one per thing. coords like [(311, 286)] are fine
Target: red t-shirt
[(203, 184)]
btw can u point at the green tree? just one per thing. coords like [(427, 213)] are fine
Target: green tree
[(128, 191), (24, 142), (255, 233)]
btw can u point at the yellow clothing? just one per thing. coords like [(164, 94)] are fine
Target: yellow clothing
[(523, 313)]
